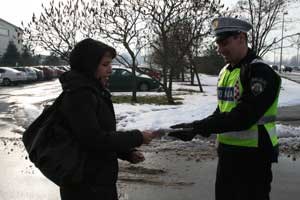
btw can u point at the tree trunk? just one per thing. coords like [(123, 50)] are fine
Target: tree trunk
[(169, 89), (134, 98), (192, 75), (182, 75), (169, 96), (133, 68), (198, 79)]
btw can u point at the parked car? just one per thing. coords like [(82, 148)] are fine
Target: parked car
[(287, 69), (275, 67), (121, 79), (58, 71), (64, 68), (150, 72), (48, 72), (39, 73), (30, 74), (11, 76)]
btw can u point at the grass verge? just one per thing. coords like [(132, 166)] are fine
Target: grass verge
[(157, 100)]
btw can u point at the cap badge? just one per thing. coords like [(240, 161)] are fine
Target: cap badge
[(215, 24)]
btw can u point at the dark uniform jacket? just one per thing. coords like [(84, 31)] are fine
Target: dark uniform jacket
[(251, 107), (89, 113)]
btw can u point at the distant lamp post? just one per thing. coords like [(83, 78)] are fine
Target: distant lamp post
[(274, 41), (280, 63), (298, 46)]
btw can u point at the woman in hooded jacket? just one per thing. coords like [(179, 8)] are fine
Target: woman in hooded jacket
[(90, 115)]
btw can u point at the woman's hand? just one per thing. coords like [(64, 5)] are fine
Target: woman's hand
[(148, 136), (136, 157)]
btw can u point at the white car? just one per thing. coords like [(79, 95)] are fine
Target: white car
[(11, 76), (39, 73), (30, 73)]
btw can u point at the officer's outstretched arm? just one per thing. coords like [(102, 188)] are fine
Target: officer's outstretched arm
[(260, 92)]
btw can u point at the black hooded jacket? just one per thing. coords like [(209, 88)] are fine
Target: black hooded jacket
[(89, 113)]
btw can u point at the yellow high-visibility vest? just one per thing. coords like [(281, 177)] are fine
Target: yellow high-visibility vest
[(229, 91)]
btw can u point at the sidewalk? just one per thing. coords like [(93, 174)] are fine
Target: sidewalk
[(289, 115)]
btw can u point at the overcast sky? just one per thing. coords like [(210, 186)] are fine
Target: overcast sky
[(15, 11)]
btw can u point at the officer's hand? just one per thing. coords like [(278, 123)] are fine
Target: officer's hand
[(184, 134), (182, 125)]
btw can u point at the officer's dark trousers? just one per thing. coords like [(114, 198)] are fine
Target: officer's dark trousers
[(243, 176), (85, 192)]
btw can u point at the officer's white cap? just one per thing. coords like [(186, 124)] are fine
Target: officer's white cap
[(224, 27)]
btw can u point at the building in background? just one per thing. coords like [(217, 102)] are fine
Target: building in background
[(10, 32)]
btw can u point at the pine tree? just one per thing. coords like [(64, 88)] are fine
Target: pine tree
[(11, 57), (27, 58), (52, 60)]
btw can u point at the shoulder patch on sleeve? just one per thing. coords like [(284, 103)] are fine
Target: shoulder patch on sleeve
[(257, 85)]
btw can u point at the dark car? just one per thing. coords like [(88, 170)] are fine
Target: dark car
[(121, 79), (275, 67), (287, 69), (150, 72)]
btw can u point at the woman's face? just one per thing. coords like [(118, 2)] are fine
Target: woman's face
[(104, 69)]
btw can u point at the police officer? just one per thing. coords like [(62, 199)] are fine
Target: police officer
[(244, 120)]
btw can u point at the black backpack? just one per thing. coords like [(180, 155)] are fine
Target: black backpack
[(53, 149)]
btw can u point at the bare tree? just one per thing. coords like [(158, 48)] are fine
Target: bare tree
[(295, 43), (265, 16), (168, 15), (121, 24), (60, 25)]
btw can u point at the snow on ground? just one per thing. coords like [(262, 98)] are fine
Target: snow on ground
[(195, 106), (152, 117), (289, 93)]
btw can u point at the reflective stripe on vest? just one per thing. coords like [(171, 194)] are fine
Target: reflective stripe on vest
[(266, 119), (248, 134), (230, 90)]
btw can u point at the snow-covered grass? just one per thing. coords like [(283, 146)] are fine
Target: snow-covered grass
[(195, 106)]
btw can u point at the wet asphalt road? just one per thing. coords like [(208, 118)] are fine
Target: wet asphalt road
[(290, 115), (293, 76), (184, 179)]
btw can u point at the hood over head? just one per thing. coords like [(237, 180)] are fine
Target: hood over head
[(87, 54), (72, 80)]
